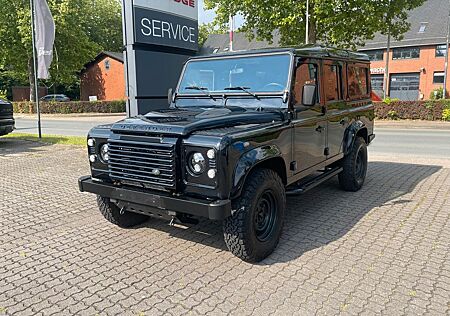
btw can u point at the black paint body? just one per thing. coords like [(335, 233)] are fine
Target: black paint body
[(295, 141), (6, 118)]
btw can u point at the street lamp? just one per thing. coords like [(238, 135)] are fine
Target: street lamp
[(307, 23)]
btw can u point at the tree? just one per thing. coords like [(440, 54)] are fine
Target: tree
[(340, 23), (83, 29)]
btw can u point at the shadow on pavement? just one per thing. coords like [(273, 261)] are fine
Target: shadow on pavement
[(322, 215), (12, 147)]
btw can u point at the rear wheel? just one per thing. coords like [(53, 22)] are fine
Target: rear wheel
[(112, 213), (354, 167), (253, 231)]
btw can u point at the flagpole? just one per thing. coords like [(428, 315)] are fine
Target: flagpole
[(36, 85)]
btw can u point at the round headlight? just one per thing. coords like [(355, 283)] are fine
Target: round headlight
[(91, 142), (196, 163), (211, 154), (92, 158), (104, 153)]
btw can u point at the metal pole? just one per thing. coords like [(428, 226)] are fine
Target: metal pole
[(307, 23), (386, 69), (444, 94), (36, 85), (231, 32)]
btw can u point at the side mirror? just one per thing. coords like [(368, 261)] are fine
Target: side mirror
[(309, 94), (170, 96)]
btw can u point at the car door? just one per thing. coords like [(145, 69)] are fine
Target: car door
[(337, 109), (309, 122)]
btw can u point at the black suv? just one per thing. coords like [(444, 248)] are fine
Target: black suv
[(243, 130), (6, 118)]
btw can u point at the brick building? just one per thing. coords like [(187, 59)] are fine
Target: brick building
[(416, 63), (104, 78)]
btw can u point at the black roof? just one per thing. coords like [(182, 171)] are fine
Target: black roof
[(313, 51)]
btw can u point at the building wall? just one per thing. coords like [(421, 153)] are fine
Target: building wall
[(106, 84), (427, 61)]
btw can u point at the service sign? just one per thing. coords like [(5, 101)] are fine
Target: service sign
[(172, 23)]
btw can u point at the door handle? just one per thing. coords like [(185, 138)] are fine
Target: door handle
[(320, 129)]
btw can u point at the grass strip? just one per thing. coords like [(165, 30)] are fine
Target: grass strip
[(50, 139)]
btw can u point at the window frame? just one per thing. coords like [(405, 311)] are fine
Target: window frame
[(404, 49), (339, 80), (437, 49), (442, 75), (375, 50)]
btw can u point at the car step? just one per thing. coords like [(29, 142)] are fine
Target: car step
[(304, 187)]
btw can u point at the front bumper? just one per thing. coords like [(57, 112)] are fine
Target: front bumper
[(159, 202)]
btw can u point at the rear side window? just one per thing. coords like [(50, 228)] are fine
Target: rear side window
[(358, 78), (331, 82)]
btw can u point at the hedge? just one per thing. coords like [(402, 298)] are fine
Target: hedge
[(435, 110), (71, 107)]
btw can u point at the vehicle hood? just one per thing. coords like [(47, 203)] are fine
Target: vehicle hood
[(187, 121)]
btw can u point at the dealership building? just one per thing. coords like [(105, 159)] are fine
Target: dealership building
[(416, 63)]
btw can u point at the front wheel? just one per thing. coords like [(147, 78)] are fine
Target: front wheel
[(354, 167), (253, 231)]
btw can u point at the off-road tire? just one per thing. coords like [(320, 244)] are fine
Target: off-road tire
[(354, 166), (240, 230), (112, 213)]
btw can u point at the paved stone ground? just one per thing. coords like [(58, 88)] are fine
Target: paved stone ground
[(383, 250)]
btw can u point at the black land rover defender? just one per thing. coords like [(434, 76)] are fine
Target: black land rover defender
[(243, 131), (6, 118)]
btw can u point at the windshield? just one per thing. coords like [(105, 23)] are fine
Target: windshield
[(252, 74)]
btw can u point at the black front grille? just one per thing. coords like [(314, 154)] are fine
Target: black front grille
[(147, 164)]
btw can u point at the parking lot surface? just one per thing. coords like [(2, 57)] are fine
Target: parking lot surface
[(382, 250)]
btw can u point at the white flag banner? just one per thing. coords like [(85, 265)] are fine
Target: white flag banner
[(45, 37)]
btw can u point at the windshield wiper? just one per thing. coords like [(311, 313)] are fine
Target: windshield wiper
[(202, 89), (245, 89)]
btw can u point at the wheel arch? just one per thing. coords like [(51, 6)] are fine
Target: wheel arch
[(356, 129), (268, 157)]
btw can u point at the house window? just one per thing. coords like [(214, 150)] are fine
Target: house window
[(107, 64), (423, 27), (406, 53), (440, 50), (376, 55), (438, 77)]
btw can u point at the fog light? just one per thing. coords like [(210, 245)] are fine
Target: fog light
[(212, 173), (211, 154), (91, 142), (92, 158)]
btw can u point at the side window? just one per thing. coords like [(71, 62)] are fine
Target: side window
[(357, 81), (306, 73), (331, 75)]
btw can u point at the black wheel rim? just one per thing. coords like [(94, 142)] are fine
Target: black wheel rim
[(265, 216), (360, 165)]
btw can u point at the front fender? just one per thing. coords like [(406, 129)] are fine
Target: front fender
[(249, 160), (350, 134)]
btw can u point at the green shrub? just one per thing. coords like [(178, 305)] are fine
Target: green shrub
[(446, 115), (392, 115), (71, 107), (388, 100), (3, 94), (437, 94)]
